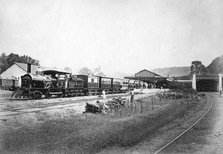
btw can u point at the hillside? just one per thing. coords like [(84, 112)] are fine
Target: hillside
[(173, 71), (216, 66)]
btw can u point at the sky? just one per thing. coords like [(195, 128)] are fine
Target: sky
[(116, 35)]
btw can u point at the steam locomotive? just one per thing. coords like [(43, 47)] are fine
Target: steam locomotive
[(60, 83)]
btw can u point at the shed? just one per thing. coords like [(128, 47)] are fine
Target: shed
[(146, 73), (12, 76)]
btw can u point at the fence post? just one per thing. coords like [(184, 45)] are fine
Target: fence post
[(135, 106), (120, 111), (132, 99), (141, 106), (153, 103)]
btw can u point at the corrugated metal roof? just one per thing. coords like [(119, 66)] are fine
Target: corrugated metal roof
[(145, 70)]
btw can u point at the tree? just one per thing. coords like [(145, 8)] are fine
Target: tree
[(3, 62), (8, 60), (97, 71), (197, 68), (68, 69), (85, 71)]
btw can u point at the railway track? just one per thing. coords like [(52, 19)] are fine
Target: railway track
[(185, 131), (67, 103), (49, 106)]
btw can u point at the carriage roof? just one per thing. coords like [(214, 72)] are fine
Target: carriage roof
[(55, 71)]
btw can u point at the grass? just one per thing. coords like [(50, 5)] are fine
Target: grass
[(90, 133)]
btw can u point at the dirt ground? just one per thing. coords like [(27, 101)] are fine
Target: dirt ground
[(70, 106)]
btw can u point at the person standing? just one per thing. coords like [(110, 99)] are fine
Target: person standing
[(132, 96), (131, 99), (103, 94)]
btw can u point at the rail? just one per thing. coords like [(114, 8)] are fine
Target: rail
[(176, 138)]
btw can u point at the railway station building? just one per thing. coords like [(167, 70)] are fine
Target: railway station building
[(201, 82), (152, 79)]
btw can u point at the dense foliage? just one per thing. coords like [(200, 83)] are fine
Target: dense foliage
[(215, 67), (87, 71), (197, 68), (8, 60)]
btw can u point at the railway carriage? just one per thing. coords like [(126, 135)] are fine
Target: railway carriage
[(125, 85), (131, 84), (106, 84), (137, 84), (117, 85), (91, 84)]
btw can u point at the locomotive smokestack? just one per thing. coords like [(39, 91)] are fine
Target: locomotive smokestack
[(29, 68)]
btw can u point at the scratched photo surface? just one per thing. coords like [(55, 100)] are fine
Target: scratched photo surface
[(157, 66)]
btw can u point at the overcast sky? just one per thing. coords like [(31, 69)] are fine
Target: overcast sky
[(118, 35)]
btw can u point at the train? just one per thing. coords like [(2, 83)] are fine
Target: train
[(60, 83)]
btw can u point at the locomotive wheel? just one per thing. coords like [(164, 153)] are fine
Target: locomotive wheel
[(61, 95), (37, 94), (31, 96), (47, 95)]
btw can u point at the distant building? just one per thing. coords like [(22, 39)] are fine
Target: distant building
[(151, 78), (146, 74), (12, 76)]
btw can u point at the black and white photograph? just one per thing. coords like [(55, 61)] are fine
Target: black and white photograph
[(111, 76)]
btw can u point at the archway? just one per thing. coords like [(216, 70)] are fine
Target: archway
[(207, 85)]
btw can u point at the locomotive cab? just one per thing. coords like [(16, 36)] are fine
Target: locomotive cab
[(26, 81)]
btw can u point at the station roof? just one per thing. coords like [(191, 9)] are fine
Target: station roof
[(146, 73), (147, 76)]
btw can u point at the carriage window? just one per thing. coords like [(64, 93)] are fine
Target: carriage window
[(92, 80)]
